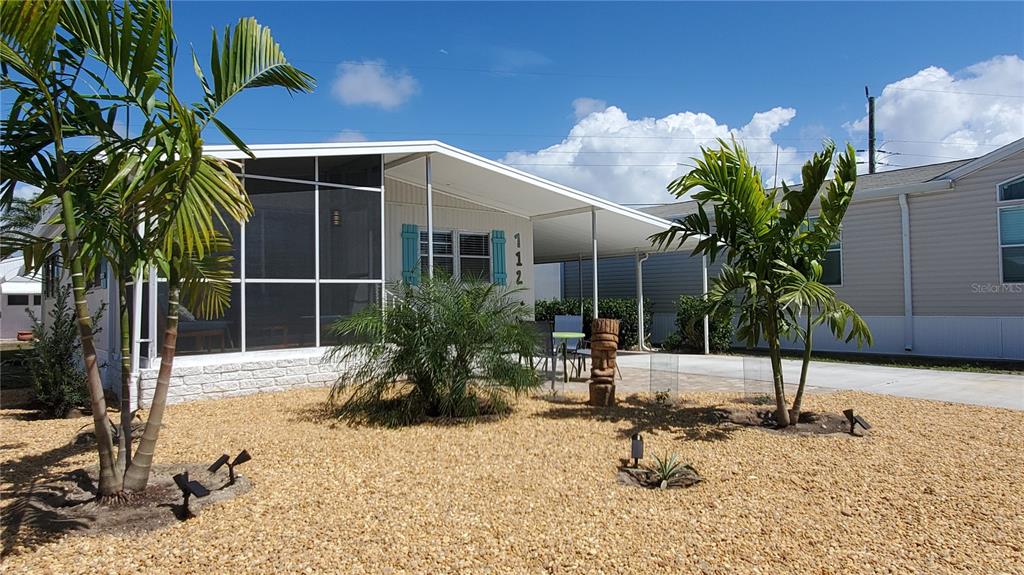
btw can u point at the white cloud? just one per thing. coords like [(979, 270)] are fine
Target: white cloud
[(348, 135), (633, 160), (935, 116), (583, 107), (371, 83)]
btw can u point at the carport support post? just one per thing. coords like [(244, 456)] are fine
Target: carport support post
[(593, 237), (640, 258), (704, 288), (430, 222)]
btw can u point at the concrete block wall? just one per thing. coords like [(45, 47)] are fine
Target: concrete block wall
[(235, 377)]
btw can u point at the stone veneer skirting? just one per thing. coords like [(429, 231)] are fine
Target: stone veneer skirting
[(235, 374)]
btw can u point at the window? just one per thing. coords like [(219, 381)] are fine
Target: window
[(463, 255), (832, 267), (338, 301), (37, 300), (51, 275), (17, 299), (1011, 244), (1012, 190)]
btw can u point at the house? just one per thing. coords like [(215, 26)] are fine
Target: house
[(932, 257), (19, 293), (334, 226)]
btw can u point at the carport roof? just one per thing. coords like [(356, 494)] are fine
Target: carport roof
[(561, 215)]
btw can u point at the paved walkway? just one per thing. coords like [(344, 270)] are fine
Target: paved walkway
[(642, 372)]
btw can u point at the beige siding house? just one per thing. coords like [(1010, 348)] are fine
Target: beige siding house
[(932, 257)]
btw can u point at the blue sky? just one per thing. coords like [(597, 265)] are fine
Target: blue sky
[(503, 78)]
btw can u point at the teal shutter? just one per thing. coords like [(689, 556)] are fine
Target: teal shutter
[(410, 253), (498, 257)]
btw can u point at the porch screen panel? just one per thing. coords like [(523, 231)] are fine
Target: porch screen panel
[(197, 335), (339, 301), (361, 171), (279, 238), (349, 234), (279, 316)]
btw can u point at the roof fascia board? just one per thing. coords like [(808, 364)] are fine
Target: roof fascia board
[(988, 159), (928, 187)]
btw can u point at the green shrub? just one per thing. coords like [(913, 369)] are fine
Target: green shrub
[(690, 312), (58, 375), (444, 349), (622, 309)]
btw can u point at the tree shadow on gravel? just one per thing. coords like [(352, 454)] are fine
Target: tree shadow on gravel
[(26, 519), (687, 421)]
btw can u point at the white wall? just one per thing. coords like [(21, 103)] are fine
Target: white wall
[(406, 204), (13, 318)]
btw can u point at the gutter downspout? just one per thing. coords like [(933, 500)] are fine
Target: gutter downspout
[(704, 291), (641, 332), (908, 291)]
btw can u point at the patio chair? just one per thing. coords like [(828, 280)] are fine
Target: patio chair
[(573, 323), (544, 351)]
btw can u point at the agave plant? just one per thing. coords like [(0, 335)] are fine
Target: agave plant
[(668, 471), (445, 348)]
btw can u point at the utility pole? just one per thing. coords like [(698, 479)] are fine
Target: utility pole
[(871, 130)]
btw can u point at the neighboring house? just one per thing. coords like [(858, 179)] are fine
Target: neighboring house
[(932, 257), (334, 226), (18, 293)]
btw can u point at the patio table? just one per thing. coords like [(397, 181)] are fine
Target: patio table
[(563, 336)]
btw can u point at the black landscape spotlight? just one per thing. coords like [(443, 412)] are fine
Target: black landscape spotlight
[(188, 489), (855, 420), (223, 459), (636, 449)]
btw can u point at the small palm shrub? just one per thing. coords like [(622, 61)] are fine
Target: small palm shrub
[(445, 349), (58, 376)]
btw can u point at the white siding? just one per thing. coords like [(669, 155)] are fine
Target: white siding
[(405, 203), (955, 248)]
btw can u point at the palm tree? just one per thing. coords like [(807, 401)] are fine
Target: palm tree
[(772, 260), (155, 198)]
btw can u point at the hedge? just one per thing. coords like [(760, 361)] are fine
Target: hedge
[(622, 309), (689, 334)]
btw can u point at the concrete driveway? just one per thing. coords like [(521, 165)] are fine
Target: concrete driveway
[(739, 374)]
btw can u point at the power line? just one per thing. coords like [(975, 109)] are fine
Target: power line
[(511, 72), (567, 137)]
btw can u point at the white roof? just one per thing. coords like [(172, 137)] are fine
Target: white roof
[(13, 282), (561, 215)]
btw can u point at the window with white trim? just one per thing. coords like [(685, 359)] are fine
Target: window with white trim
[(832, 266), (1011, 244), (1012, 190), (463, 255)]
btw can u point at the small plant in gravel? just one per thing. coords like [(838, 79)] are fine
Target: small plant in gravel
[(446, 348), (666, 472), (662, 397), (55, 364), (667, 469)]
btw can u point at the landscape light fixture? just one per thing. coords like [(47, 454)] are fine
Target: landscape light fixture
[(855, 420), (224, 459), (188, 489), (636, 449)]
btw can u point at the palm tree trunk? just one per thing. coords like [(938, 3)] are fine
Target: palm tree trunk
[(110, 482), (124, 445), (775, 353), (138, 473), (794, 414)]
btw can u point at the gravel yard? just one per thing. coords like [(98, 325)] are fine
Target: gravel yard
[(933, 488)]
